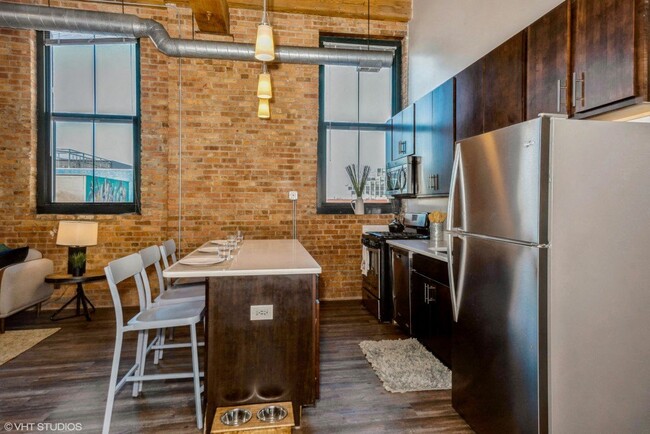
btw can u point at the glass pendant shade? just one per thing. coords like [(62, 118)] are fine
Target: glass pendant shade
[(264, 109), (264, 89), (264, 47)]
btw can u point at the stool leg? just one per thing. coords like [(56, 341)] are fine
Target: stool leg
[(112, 383), (197, 379), (145, 340), (158, 339), (163, 334), (138, 362)]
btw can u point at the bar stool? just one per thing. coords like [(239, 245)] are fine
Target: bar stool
[(181, 294), (168, 253), (150, 317)]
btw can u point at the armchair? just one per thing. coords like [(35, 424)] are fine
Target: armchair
[(22, 285)]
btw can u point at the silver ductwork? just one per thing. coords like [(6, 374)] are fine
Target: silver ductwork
[(21, 16)]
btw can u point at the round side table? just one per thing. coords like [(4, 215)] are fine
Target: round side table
[(68, 279)]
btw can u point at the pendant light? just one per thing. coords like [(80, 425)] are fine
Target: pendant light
[(264, 47), (264, 109), (264, 89)]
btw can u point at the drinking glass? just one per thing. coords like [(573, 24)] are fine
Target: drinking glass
[(224, 251), (240, 236)]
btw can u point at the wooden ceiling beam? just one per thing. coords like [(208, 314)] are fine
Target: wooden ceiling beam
[(212, 16), (383, 10)]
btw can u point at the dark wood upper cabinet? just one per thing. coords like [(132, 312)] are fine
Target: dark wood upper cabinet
[(503, 84), (443, 137), (403, 137), (547, 68), (469, 101), (610, 52)]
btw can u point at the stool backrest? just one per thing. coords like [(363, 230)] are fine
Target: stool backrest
[(168, 249), (151, 256), (118, 271)]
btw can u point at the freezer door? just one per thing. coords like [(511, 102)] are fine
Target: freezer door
[(497, 379), (500, 183)]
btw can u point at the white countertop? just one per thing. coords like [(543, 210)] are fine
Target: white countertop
[(254, 258), (423, 247)]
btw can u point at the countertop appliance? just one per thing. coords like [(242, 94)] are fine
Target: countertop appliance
[(403, 180), (549, 232), (377, 292)]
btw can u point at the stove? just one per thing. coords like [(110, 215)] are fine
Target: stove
[(377, 293)]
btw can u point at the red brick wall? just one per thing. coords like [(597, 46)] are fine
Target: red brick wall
[(236, 169)]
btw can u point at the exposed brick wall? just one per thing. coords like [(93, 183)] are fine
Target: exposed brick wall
[(236, 170)]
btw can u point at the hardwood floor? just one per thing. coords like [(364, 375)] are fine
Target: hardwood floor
[(64, 379)]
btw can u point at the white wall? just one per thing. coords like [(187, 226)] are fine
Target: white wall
[(445, 36)]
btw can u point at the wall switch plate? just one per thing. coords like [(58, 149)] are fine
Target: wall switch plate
[(293, 195), (261, 312)]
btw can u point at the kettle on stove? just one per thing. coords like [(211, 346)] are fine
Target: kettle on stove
[(395, 225)]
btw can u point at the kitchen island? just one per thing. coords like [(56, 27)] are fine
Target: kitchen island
[(261, 337)]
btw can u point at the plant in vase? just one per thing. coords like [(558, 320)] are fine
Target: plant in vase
[(358, 185), (77, 262)]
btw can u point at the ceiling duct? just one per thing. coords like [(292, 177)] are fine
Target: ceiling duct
[(21, 16)]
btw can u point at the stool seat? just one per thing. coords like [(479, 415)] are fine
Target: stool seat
[(195, 293), (171, 315)]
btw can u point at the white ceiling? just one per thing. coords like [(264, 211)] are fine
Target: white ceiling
[(445, 36)]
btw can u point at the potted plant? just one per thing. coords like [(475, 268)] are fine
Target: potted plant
[(358, 185), (77, 263)]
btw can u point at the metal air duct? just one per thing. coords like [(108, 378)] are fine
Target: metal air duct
[(21, 16)]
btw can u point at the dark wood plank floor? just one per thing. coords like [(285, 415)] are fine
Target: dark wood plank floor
[(64, 379)]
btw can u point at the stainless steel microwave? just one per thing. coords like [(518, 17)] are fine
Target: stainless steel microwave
[(402, 181)]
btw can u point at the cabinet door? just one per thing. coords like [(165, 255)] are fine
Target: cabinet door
[(422, 326), (547, 71), (604, 52), (469, 101), (424, 142), (396, 139), (401, 289), (442, 138), (503, 76), (442, 322), (405, 143)]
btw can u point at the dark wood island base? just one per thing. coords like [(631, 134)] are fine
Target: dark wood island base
[(263, 360)]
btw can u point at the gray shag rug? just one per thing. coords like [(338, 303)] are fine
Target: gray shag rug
[(406, 366)]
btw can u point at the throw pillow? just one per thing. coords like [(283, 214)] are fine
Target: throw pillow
[(13, 256)]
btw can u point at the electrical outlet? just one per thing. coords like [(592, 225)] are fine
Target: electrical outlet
[(293, 195), (261, 312)]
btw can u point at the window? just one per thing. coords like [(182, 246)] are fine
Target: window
[(88, 124), (354, 108)]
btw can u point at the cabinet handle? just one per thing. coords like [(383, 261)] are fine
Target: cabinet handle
[(436, 182), (560, 87), (577, 80), (435, 295), (426, 293)]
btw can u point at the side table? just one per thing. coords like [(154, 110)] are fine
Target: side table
[(80, 296)]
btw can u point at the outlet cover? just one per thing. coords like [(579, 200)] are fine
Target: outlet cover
[(293, 195), (261, 312)]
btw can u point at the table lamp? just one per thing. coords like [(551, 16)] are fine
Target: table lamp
[(77, 235)]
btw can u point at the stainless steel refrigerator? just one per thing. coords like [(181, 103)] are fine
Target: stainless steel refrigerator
[(549, 232)]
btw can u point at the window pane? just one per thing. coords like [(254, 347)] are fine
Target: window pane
[(375, 95), (343, 149), (72, 79), (73, 145), (341, 93), (113, 162), (116, 79)]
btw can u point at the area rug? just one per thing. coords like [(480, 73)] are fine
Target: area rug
[(406, 366), (15, 342)]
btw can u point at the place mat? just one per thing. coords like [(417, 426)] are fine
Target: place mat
[(16, 342), (406, 366), (202, 260)]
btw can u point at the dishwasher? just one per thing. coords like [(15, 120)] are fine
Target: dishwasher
[(401, 264)]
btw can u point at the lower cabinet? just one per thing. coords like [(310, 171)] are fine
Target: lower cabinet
[(431, 310)]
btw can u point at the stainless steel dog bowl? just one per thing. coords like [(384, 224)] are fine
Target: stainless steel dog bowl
[(235, 417), (272, 413)]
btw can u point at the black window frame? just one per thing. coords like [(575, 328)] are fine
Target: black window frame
[(322, 207), (45, 161)]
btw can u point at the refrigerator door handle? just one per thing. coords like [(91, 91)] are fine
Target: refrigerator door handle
[(456, 287), (456, 176)]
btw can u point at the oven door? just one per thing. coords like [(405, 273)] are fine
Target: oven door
[(372, 282)]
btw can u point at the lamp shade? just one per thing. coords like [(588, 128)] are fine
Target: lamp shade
[(264, 89), (77, 233), (264, 109), (264, 47)]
